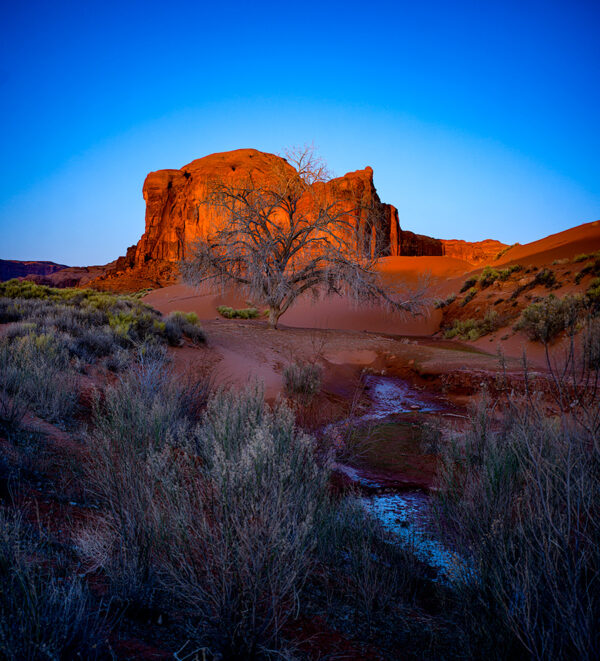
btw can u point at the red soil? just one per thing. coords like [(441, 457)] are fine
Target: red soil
[(564, 245)]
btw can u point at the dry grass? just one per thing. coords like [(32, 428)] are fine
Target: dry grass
[(519, 500)]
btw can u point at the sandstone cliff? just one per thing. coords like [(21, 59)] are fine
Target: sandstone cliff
[(477, 253), (177, 215)]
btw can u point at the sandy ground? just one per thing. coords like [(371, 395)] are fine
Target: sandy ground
[(242, 352), (574, 241), (332, 313), (342, 334)]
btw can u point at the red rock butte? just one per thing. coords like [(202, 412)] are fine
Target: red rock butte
[(177, 216)]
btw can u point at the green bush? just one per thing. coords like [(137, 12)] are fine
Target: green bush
[(504, 274), (471, 282), (545, 277), (242, 313), (589, 255), (35, 372), (178, 324), (545, 320), (446, 302), (473, 329), (92, 325), (591, 268), (505, 250), (469, 297), (488, 277), (593, 294)]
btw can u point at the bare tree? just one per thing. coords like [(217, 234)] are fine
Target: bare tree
[(284, 237)]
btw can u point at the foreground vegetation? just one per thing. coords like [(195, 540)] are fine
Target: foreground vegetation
[(207, 521), (520, 499)]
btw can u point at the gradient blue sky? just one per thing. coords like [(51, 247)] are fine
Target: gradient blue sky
[(480, 119)]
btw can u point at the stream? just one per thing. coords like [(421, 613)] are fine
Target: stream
[(406, 513)]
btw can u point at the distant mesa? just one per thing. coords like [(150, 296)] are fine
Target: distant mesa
[(10, 268), (476, 253), (51, 274)]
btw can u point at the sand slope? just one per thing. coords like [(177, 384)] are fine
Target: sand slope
[(581, 239), (333, 312)]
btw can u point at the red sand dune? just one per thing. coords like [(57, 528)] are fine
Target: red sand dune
[(564, 245), (412, 268), (333, 312)]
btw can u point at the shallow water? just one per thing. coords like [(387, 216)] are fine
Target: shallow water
[(405, 514), (390, 395), (408, 516)]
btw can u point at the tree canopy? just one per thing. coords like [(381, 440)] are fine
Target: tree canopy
[(283, 237)]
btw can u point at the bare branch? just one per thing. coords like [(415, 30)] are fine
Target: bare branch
[(283, 238)]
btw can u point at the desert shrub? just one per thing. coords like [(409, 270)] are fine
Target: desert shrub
[(247, 532), (504, 274), (133, 326), (469, 297), (472, 329), (444, 303), (178, 324), (460, 328), (9, 311), (545, 320), (136, 426), (93, 344), (504, 250), (71, 319), (302, 381), (173, 331), (591, 346), (471, 282), (590, 255), (141, 293), (227, 520), (519, 500), (591, 268), (88, 317), (242, 313), (226, 533), (488, 276), (593, 294), (43, 615), (35, 373), (545, 277)]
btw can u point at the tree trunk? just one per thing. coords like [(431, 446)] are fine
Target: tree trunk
[(274, 314)]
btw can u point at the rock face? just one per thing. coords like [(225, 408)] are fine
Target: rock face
[(419, 245), (177, 215), (477, 253)]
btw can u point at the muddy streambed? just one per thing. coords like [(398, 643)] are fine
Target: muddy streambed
[(396, 499)]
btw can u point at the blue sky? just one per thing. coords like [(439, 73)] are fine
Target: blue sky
[(480, 120)]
